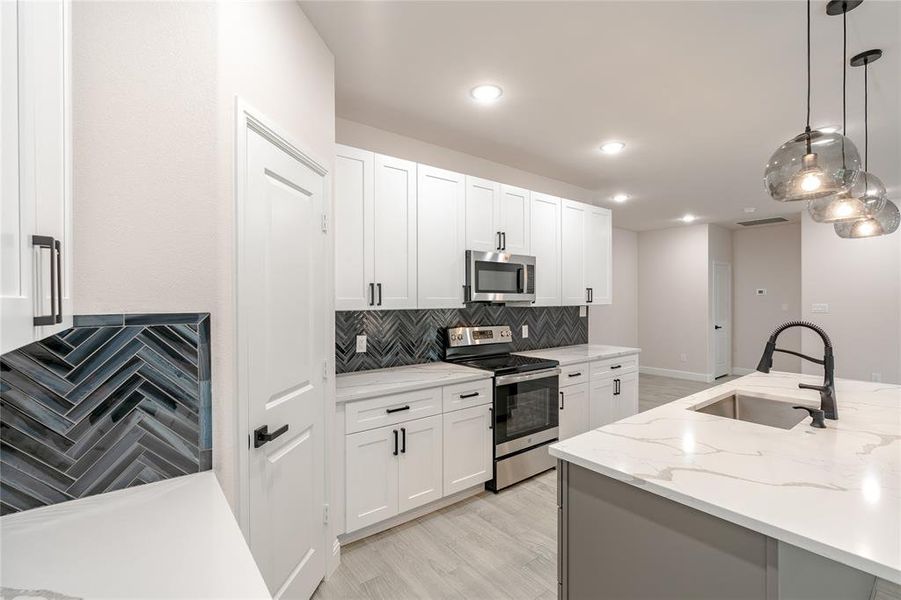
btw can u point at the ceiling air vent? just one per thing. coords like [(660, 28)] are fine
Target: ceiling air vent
[(767, 221)]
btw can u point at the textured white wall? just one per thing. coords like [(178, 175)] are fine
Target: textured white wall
[(672, 298), (770, 258), (617, 323), (859, 281), (154, 91)]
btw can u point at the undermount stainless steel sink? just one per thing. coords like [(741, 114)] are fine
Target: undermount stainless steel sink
[(762, 411)]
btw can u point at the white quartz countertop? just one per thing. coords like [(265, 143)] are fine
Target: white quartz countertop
[(570, 355), (171, 539), (381, 382), (835, 492)]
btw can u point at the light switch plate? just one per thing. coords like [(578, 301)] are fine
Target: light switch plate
[(361, 343), (761, 291), (683, 358), (525, 331), (819, 308)]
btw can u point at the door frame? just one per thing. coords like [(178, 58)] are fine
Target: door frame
[(249, 119), (711, 321)]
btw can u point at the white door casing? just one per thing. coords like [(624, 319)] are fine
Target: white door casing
[(282, 307), (722, 319)]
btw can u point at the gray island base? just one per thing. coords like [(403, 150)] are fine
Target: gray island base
[(618, 541)]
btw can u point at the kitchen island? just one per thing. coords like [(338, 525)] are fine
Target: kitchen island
[(748, 510)]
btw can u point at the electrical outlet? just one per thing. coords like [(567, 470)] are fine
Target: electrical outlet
[(583, 311), (819, 308), (525, 331), (683, 357), (361, 343), (876, 377), (761, 291)]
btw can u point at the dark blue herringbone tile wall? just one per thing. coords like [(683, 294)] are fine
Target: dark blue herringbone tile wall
[(114, 402), (407, 337)]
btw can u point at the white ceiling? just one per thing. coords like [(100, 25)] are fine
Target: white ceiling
[(701, 92)]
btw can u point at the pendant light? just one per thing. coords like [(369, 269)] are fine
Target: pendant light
[(867, 196), (813, 164), (885, 219)]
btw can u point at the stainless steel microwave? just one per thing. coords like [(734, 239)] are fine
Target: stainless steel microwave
[(499, 277)]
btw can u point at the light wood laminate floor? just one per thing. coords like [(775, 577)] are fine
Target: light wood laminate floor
[(487, 546)]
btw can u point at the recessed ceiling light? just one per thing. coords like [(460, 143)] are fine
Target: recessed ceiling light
[(827, 129), (612, 147), (620, 198), (688, 218), (486, 93)]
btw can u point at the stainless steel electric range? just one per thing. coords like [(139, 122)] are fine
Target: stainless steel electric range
[(525, 400)]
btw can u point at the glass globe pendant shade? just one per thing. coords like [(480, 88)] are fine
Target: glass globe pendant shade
[(885, 222), (865, 199), (812, 165)]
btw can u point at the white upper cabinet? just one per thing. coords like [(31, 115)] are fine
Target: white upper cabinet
[(394, 233), (572, 256), (35, 172), (587, 254), (375, 231), (544, 234), (482, 215), (441, 210), (514, 222), (599, 255)]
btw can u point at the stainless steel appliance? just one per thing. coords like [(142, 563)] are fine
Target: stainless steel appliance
[(524, 415), (499, 277)]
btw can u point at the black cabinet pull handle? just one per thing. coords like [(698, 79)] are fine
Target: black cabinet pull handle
[(403, 440), (46, 241), (616, 366), (371, 294), (261, 435), (504, 240), (498, 240), (591, 294), (379, 286), (574, 375), (490, 417), (395, 442), (394, 410), (59, 280), (561, 400), (472, 395)]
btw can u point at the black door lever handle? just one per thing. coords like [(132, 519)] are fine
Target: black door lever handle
[(261, 435)]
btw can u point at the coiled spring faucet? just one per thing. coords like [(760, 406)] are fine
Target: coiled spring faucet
[(827, 390)]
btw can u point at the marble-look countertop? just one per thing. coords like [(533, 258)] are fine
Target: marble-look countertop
[(835, 492), (171, 539), (570, 355), (381, 382)]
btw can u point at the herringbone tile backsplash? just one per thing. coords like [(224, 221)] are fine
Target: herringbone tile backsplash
[(406, 337), (116, 401)]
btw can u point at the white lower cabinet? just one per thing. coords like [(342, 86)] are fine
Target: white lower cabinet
[(467, 448), (419, 463), (574, 414), (613, 397), (371, 477)]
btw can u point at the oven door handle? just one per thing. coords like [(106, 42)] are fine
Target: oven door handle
[(520, 377)]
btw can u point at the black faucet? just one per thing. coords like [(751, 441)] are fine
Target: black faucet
[(828, 407)]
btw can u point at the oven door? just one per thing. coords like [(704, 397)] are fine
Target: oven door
[(525, 410), (499, 277)]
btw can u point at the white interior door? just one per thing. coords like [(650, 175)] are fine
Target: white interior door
[(482, 215), (282, 308), (393, 215), (514, 219), (722, 319)]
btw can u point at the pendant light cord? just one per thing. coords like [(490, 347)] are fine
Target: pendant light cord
[(866, 125), (844, 78), (807, 128)]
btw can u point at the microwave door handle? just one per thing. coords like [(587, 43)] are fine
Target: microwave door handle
[(520, 283)]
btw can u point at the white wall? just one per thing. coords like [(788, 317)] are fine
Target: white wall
[(153, 102), (358, 135), (672, 299), (859, 280), (617, 323), (769, 258)]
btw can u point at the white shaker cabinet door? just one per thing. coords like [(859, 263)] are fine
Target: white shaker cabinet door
[(442, 238), (545, 233), (394, 215), (514, 219), (371, 476), (353, 228), (626, 396), (601, 409), (573, 229), (598, 255), (573, 410), (419, 460), (468, 445), (482, 215)]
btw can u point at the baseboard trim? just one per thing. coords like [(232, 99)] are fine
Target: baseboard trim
[(394, 521), (741, 371), (689, 375)]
